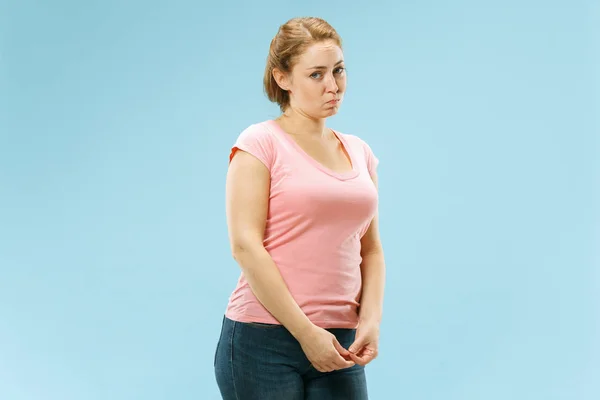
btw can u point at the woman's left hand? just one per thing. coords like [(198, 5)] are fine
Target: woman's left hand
[(366, 344)]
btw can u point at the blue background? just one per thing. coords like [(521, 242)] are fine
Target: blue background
[(116, 123)]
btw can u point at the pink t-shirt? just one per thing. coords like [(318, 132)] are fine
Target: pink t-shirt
[(315, 221)]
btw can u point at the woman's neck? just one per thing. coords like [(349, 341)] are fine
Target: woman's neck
[(296, 123)]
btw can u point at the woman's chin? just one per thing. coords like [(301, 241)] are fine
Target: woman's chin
[(331, 111)]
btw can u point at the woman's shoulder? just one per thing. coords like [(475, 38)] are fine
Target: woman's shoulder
[(256, 139), (361, 147), (354, 140), (258, 131)]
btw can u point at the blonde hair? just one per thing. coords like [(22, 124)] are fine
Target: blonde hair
[(292, 39)]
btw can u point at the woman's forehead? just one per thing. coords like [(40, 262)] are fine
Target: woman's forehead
[(321, 54)]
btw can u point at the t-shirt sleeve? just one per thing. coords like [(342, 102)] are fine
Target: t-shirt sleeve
[(372, 160), (255, 140)]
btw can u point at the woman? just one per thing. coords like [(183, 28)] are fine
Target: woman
[(302, 199)]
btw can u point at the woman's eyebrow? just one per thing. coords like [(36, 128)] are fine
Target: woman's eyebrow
[(323, 67)]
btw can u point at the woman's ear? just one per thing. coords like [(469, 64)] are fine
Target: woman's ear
[(281, 78)]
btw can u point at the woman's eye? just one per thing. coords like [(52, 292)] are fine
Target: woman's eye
[(318, 75)]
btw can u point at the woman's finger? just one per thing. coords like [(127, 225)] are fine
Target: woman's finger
[(360, 360), (339, 362), (365, 357)]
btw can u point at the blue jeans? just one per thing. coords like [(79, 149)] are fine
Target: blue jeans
[(265, 362)]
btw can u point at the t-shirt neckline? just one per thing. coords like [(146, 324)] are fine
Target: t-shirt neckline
[(339, 175)]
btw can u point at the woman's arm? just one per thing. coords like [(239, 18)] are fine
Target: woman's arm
[(247, 196), (373, 272)]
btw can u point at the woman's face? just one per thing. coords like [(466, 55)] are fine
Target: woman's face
[(317, 81)]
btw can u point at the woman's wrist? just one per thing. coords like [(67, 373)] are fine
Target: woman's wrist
[(367, 317), (301, 329)]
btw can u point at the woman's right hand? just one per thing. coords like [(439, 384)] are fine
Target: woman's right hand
[(324, 351)]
